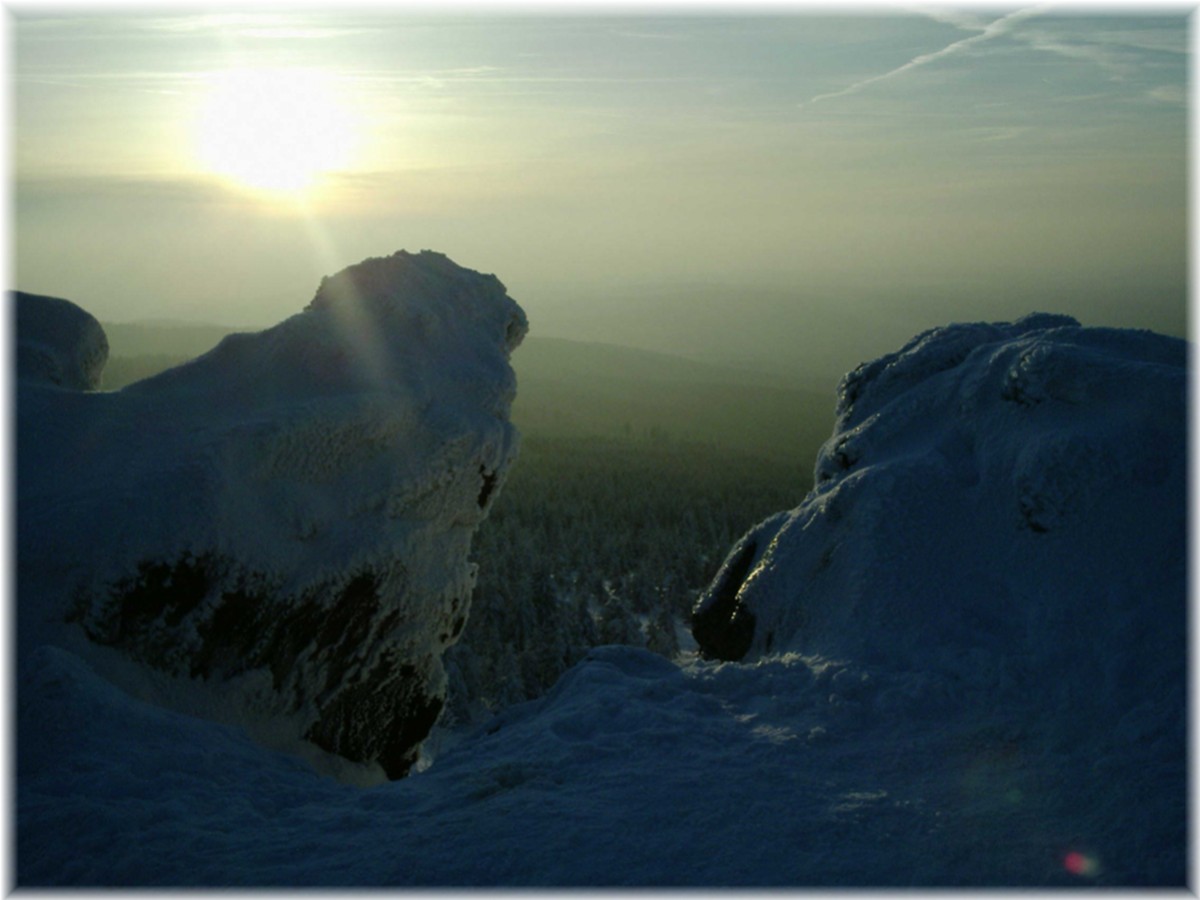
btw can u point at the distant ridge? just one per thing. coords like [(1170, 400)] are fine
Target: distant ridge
[(164, 337), (607, 359), (575, 388)]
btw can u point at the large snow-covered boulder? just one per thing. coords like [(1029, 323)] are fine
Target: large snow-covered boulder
[(995, 500), (995, 550), (279, 530), (57, 342)]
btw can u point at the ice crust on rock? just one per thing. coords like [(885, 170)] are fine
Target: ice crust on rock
[(990, 492), (287, 518)]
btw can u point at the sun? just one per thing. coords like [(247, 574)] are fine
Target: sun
[(274, 130)]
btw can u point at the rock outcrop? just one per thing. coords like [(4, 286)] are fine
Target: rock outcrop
[(281, 526), (58, 343), (992, 496)]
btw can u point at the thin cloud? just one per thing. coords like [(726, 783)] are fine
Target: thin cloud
[(964, 20), (1087, 52), (1109, 49), (1173, 40), (1174, 94), (993, 29), (270, 26)]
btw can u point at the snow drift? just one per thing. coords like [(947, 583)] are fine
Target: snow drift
[(285, 521)]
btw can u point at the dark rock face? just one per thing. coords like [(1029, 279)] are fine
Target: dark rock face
[(288, 518), (723, 628)]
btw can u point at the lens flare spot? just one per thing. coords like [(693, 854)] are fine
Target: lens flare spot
[(1081, 864)]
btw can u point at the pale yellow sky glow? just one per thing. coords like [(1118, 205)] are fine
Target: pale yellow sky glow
[(912, 167)]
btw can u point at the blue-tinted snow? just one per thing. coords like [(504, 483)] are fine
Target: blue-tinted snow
[(1042, 742), (633, 771)]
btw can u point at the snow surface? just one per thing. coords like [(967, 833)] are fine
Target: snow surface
[(984, 685)]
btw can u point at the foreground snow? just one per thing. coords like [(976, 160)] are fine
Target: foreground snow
[(1035, 738), (633, 771)]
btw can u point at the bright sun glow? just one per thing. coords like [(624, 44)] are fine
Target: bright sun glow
[(276, 130)]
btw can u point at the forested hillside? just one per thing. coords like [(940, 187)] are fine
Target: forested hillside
[(602, 541), (571, 388), (637, 472)]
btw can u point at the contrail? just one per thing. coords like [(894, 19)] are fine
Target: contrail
[(993, 29)]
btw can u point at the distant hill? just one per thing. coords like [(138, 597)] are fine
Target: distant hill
[(577, 389), (572, 387), (816, 331), (163, 337)]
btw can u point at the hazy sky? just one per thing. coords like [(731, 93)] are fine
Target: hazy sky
[(960, 164)]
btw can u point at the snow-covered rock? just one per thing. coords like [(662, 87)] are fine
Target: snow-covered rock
[(989, 492), (998, 528), (278, 530), (57, 342)]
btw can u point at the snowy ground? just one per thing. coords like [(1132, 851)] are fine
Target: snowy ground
[(633, 771), (965, 737)]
